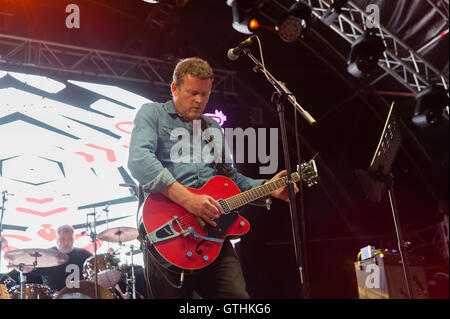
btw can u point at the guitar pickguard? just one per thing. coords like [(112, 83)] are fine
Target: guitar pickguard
[(223, 222)]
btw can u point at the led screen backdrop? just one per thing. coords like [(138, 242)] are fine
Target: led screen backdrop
[(62, 159)]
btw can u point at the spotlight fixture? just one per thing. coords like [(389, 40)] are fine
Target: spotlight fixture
[(431, 107), (294, 24), (364, 55), (244, 15), (333, 12)]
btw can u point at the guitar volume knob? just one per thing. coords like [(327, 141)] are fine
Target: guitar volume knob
[(189, 254)]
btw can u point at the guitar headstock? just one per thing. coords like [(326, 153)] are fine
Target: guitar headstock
[(308, 172)]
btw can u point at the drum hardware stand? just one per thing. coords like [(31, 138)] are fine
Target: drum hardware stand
[(93, 236), (280, 96), (22, 278), (2, 213), (106, 210), (127, 286), (133, 278)]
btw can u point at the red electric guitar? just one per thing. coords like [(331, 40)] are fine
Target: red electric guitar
[(176, 239)]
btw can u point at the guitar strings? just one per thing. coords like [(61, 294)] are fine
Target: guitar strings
[(235, 201)]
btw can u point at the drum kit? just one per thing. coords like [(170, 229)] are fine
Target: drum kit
[(101, 272)]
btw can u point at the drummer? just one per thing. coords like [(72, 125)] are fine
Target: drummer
[(57, 277)]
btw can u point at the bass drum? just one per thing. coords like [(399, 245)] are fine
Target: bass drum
[(84, 290)]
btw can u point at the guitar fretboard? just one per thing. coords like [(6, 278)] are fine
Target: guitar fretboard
[(253, 194)]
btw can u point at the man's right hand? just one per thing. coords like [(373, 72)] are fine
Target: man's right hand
[(203, 207)]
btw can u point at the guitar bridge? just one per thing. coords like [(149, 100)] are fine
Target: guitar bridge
[(166, 231)]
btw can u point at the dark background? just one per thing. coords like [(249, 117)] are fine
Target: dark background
[(338, 218)]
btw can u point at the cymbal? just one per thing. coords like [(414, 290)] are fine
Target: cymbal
[(3, 242), (43, 257), (119, 234)]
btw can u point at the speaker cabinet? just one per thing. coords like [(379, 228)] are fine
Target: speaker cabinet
[(382, 277)]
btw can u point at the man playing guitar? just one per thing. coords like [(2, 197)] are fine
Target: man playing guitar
[(174, 183)]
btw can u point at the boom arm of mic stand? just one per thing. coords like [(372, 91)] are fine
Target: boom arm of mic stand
[(281, 89)]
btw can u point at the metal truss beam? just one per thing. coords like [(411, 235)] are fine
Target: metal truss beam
[(399, 60), (87, 61)]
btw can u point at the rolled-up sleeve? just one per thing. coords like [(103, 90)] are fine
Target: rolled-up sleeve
[(142, 161)]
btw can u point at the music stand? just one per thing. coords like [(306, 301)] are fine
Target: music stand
[(378, 178)]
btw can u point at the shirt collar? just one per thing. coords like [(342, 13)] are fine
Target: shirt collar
[(170, 107)]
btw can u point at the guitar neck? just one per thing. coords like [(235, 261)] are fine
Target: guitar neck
[(253, 194)]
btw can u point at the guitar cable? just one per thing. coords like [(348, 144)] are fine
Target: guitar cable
[(158, 267), (147, 275)]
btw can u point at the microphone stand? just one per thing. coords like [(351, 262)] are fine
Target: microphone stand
[(281, 95)]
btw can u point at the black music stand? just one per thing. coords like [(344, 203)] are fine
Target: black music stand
[(378, 178)]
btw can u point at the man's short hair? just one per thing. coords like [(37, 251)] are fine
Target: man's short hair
[(64, 229), (196, 67)]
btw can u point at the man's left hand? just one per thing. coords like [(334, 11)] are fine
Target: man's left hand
[(282, 193)]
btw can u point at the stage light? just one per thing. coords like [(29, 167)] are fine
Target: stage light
[(431, 107), (364, 55), (244, 15), (253, 24), (295, 22), (333, 12)]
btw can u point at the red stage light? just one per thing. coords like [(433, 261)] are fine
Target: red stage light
[(253, 24)]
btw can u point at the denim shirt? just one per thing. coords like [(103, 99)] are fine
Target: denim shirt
[(149, 158)]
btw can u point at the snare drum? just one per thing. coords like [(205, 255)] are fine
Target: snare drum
[(31, 291), (84, 290), (108, 270)]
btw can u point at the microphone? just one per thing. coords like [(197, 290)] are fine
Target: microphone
[(234, 53)]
